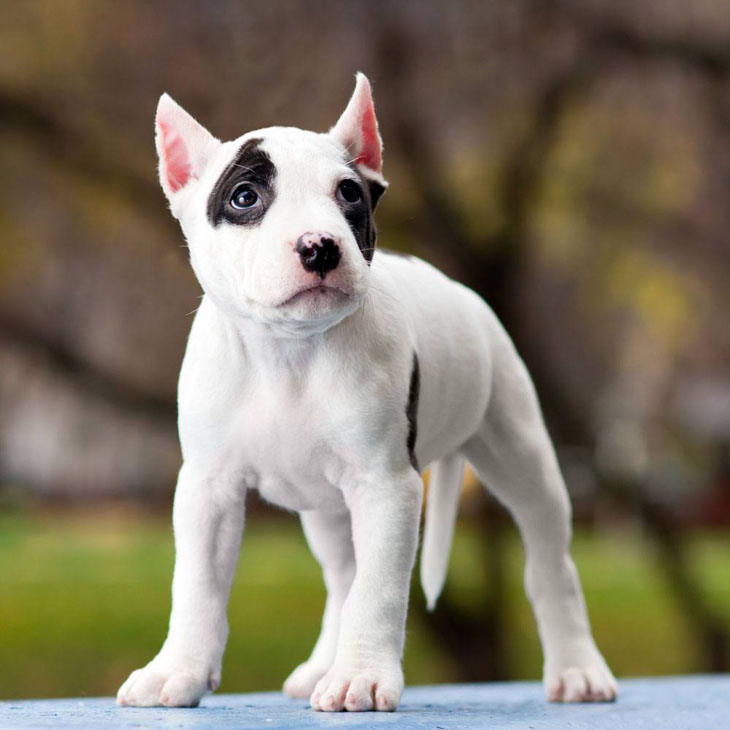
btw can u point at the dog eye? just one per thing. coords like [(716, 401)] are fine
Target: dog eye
[(244, 197), (349, 191)]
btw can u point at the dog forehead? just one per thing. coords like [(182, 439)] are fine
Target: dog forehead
[(295, 153)]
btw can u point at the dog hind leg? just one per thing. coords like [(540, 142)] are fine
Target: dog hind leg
[(513, 455), (330, 538)]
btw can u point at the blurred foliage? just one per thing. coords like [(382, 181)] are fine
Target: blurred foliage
[(567, 160)]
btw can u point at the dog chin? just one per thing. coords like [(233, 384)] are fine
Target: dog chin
[(316, 295), (312, 309)]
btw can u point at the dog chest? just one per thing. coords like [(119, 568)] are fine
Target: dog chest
[(289, 444)]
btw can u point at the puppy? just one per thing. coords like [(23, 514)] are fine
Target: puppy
[(325, 374)]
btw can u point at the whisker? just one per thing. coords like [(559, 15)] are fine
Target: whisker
[(384, 293), (200, 296)]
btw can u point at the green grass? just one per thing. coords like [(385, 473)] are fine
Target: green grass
[(83, 600)]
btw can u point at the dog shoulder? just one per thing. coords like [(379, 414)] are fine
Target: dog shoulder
[(213, 371)]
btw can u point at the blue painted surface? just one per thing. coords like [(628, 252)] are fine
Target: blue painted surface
[(671, 703)]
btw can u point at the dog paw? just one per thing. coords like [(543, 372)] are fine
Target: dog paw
[(302, 681), (156, 685), (358, 690), (587, 681)]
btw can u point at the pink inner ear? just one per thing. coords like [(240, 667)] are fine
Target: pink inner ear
[(175, 160), (370, 154)]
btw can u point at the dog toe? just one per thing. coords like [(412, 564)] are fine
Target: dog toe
[(358, 690), (591, 681), (156, 685)]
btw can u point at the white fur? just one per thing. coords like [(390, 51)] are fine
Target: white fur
[(303, 397)]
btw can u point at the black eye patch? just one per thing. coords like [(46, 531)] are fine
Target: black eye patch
[(358, 211), (253, 168)]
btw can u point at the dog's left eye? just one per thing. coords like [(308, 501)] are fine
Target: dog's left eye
[(244, 197), (349, 191)]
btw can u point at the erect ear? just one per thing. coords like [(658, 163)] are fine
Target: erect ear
[(357, 130), (183, 146)]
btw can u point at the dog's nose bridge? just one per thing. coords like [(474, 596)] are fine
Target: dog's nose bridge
[(319, 252)]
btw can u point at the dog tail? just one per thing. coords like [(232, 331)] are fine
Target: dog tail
[(444, 490)]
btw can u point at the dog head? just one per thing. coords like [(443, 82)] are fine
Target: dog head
[(279, 222)]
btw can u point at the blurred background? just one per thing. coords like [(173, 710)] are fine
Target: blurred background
[(568, 160)]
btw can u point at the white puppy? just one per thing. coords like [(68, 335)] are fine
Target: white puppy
[(325, 375)]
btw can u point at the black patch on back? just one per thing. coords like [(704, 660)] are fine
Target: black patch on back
[(412, 410), (250, 165), (359, 215)]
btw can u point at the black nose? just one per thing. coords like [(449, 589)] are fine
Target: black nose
[(318, 252)]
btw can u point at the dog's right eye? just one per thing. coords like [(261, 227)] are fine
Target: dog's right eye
[(244, 197)]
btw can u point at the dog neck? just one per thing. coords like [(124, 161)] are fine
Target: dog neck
[(276, 343)]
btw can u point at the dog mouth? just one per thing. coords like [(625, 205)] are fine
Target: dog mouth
[(316, 292)]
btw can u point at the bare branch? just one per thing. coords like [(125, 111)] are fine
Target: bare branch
[(63, 360)]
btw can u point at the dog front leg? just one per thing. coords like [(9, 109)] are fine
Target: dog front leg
[(366, 673), (208, 523)]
